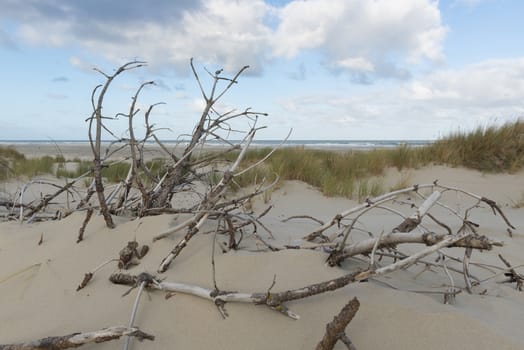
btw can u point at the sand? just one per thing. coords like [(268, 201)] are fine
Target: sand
[(38, 282)]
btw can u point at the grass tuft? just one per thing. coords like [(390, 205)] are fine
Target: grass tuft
[(347, 174), (492, 149)]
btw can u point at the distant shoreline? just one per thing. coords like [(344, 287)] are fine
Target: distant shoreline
[(349, 144)]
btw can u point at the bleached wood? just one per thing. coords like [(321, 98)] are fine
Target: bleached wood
[(338, 217), (75, 340), (209, 203), (276, 300)]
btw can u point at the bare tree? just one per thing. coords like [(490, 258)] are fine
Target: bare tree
[(98, 118)]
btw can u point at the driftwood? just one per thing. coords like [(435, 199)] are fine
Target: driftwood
[(198, 220), (189, 170), (276, 300), (205, 127), (47, 199), (512, 275), (335, 330), (89, 213), (411, 222), (395, 238), (35, 209), (97, 117), (89, 275), (75, 340)]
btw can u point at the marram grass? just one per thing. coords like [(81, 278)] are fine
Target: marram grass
[(352, 174)]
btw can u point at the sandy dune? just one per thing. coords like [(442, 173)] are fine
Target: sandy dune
[(38, 283)]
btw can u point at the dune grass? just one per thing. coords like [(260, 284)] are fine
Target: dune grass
[(352, 174), (492, 149), (115, 172), (14, 164)]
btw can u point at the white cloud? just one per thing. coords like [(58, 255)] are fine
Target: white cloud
[(484, 93), (359, 34), (357, 64), (229, 33), (490, 83), (380, 37)]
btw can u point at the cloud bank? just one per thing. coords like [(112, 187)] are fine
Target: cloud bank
[(375, 38)]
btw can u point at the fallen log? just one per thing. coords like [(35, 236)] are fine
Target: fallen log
[(75, 340)]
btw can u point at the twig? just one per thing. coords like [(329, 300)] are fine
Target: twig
[(303, 217), (89, 213), (372, 262), (513, 275), (465, 264), (449, 296), (88, 276)]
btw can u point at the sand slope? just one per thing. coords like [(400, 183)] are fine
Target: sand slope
[(38, 297)]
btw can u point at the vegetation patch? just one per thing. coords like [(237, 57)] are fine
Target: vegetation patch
[(351, 174)]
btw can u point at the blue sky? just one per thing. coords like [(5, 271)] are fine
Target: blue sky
[(329, 69)]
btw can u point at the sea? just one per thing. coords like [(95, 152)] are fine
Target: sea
[(314, 144)]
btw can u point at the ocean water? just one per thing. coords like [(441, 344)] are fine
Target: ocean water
[(317, 144)]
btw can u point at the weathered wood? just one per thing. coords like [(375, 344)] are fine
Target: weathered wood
[(89, 214), (194, 224), (394, 238), (96, 144), (338, 217), (410, 223), (89, 275), (336, 328), (176, 174), (75, 340), (276, 300), (513, 275)]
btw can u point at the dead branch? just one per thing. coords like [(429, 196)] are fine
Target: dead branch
[(303, 217), (195, 223), (95, 146), (176, 174), (75, 340), (338, 217), (336, 220), (414, 220), (89, 213), (394, 238), (89, 275), (496, 209), (276, 300), (335, 330), (512, 275), (45, 200), (133, 313)]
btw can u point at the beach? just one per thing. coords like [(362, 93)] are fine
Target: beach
[(38, 282)]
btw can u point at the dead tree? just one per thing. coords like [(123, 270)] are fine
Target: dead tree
[(98, 117), (206, 127)]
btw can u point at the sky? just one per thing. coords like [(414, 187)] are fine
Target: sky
[(325, 69)]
